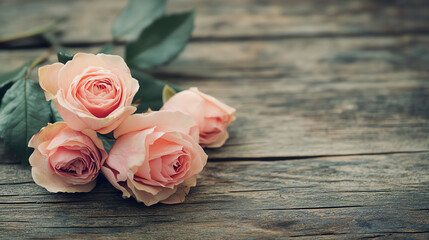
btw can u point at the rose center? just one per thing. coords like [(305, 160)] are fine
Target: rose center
[(177, 165), (98, 92), (76, 166), (102, 88)]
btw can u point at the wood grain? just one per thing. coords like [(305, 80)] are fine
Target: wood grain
[(330, 141), (337, 197), (90, 21), (307, 97)]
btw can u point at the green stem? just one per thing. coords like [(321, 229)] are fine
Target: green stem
[(41, 59), (30, 33)]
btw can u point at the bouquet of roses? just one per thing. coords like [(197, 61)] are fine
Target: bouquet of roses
[(106, 114)]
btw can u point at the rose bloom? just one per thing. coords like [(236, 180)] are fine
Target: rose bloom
[(156, 157), (65, 160), (212, 116), (90, 91)]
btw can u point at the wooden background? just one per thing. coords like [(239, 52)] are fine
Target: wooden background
[(331, 138)]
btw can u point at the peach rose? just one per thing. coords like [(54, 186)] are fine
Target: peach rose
[(156, 157), (90, 91), (65, 160), (211, 115)]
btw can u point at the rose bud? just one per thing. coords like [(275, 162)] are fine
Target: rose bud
[(65, 160), (90, 91), (212, 116), (156, 157)]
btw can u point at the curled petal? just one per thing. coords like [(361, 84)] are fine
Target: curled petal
[(45, 177), (48, 79), (155, 158), (182, 191), (211, 115), (79, 120), (162, 120), (222, 106), (91, 91), (194, 105), (46, 133), (65, 160)]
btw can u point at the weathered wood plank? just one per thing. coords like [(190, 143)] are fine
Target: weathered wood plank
[(338, 197), (308, 97), (228, 19)]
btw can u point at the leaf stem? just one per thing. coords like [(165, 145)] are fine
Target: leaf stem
[(31, 33), (41, 59)]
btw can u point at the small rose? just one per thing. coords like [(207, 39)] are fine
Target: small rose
[(65, 160), (90, 91), (156, 157), (212, 116)]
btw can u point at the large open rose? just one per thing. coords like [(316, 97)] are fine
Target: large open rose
[(90, 91), (65, 160), (212, 116), (156, 157)]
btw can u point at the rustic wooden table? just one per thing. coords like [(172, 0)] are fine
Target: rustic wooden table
[(331, 138)]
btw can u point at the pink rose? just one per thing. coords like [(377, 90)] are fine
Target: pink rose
[(65, 160), (156, 157), (90, 91), (211, 115)]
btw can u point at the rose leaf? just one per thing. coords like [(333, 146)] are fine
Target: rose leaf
[(24, 111), (107, 142), (107, 48), (64, 56), (7, 79), (161, 42), (136, 16), (150, 92)]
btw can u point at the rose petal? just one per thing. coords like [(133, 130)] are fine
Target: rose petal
[(79, 120), (117, 119), (44, 176), (217, 141), (57, 148), (188, 102), (113, 61), (68, 135), (46, 133), (182, 191), (227, 109), (149, 199), (76, 67), (113, 178), (163, 120), (48, 79)]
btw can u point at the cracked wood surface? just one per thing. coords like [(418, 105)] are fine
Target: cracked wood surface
[(345, 80), (307, 97), (383, 196), (226, 19)]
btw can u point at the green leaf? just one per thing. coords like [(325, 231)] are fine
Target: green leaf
[(107, 48), (55, 115), (107, 142), (7, 79), (161, 42), (63, 55), (150, 92), (136, 16), (23, 113), (167, 93)]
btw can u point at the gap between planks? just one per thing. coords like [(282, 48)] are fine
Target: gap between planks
[(292, 158), (244, 38), (285, 158)]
